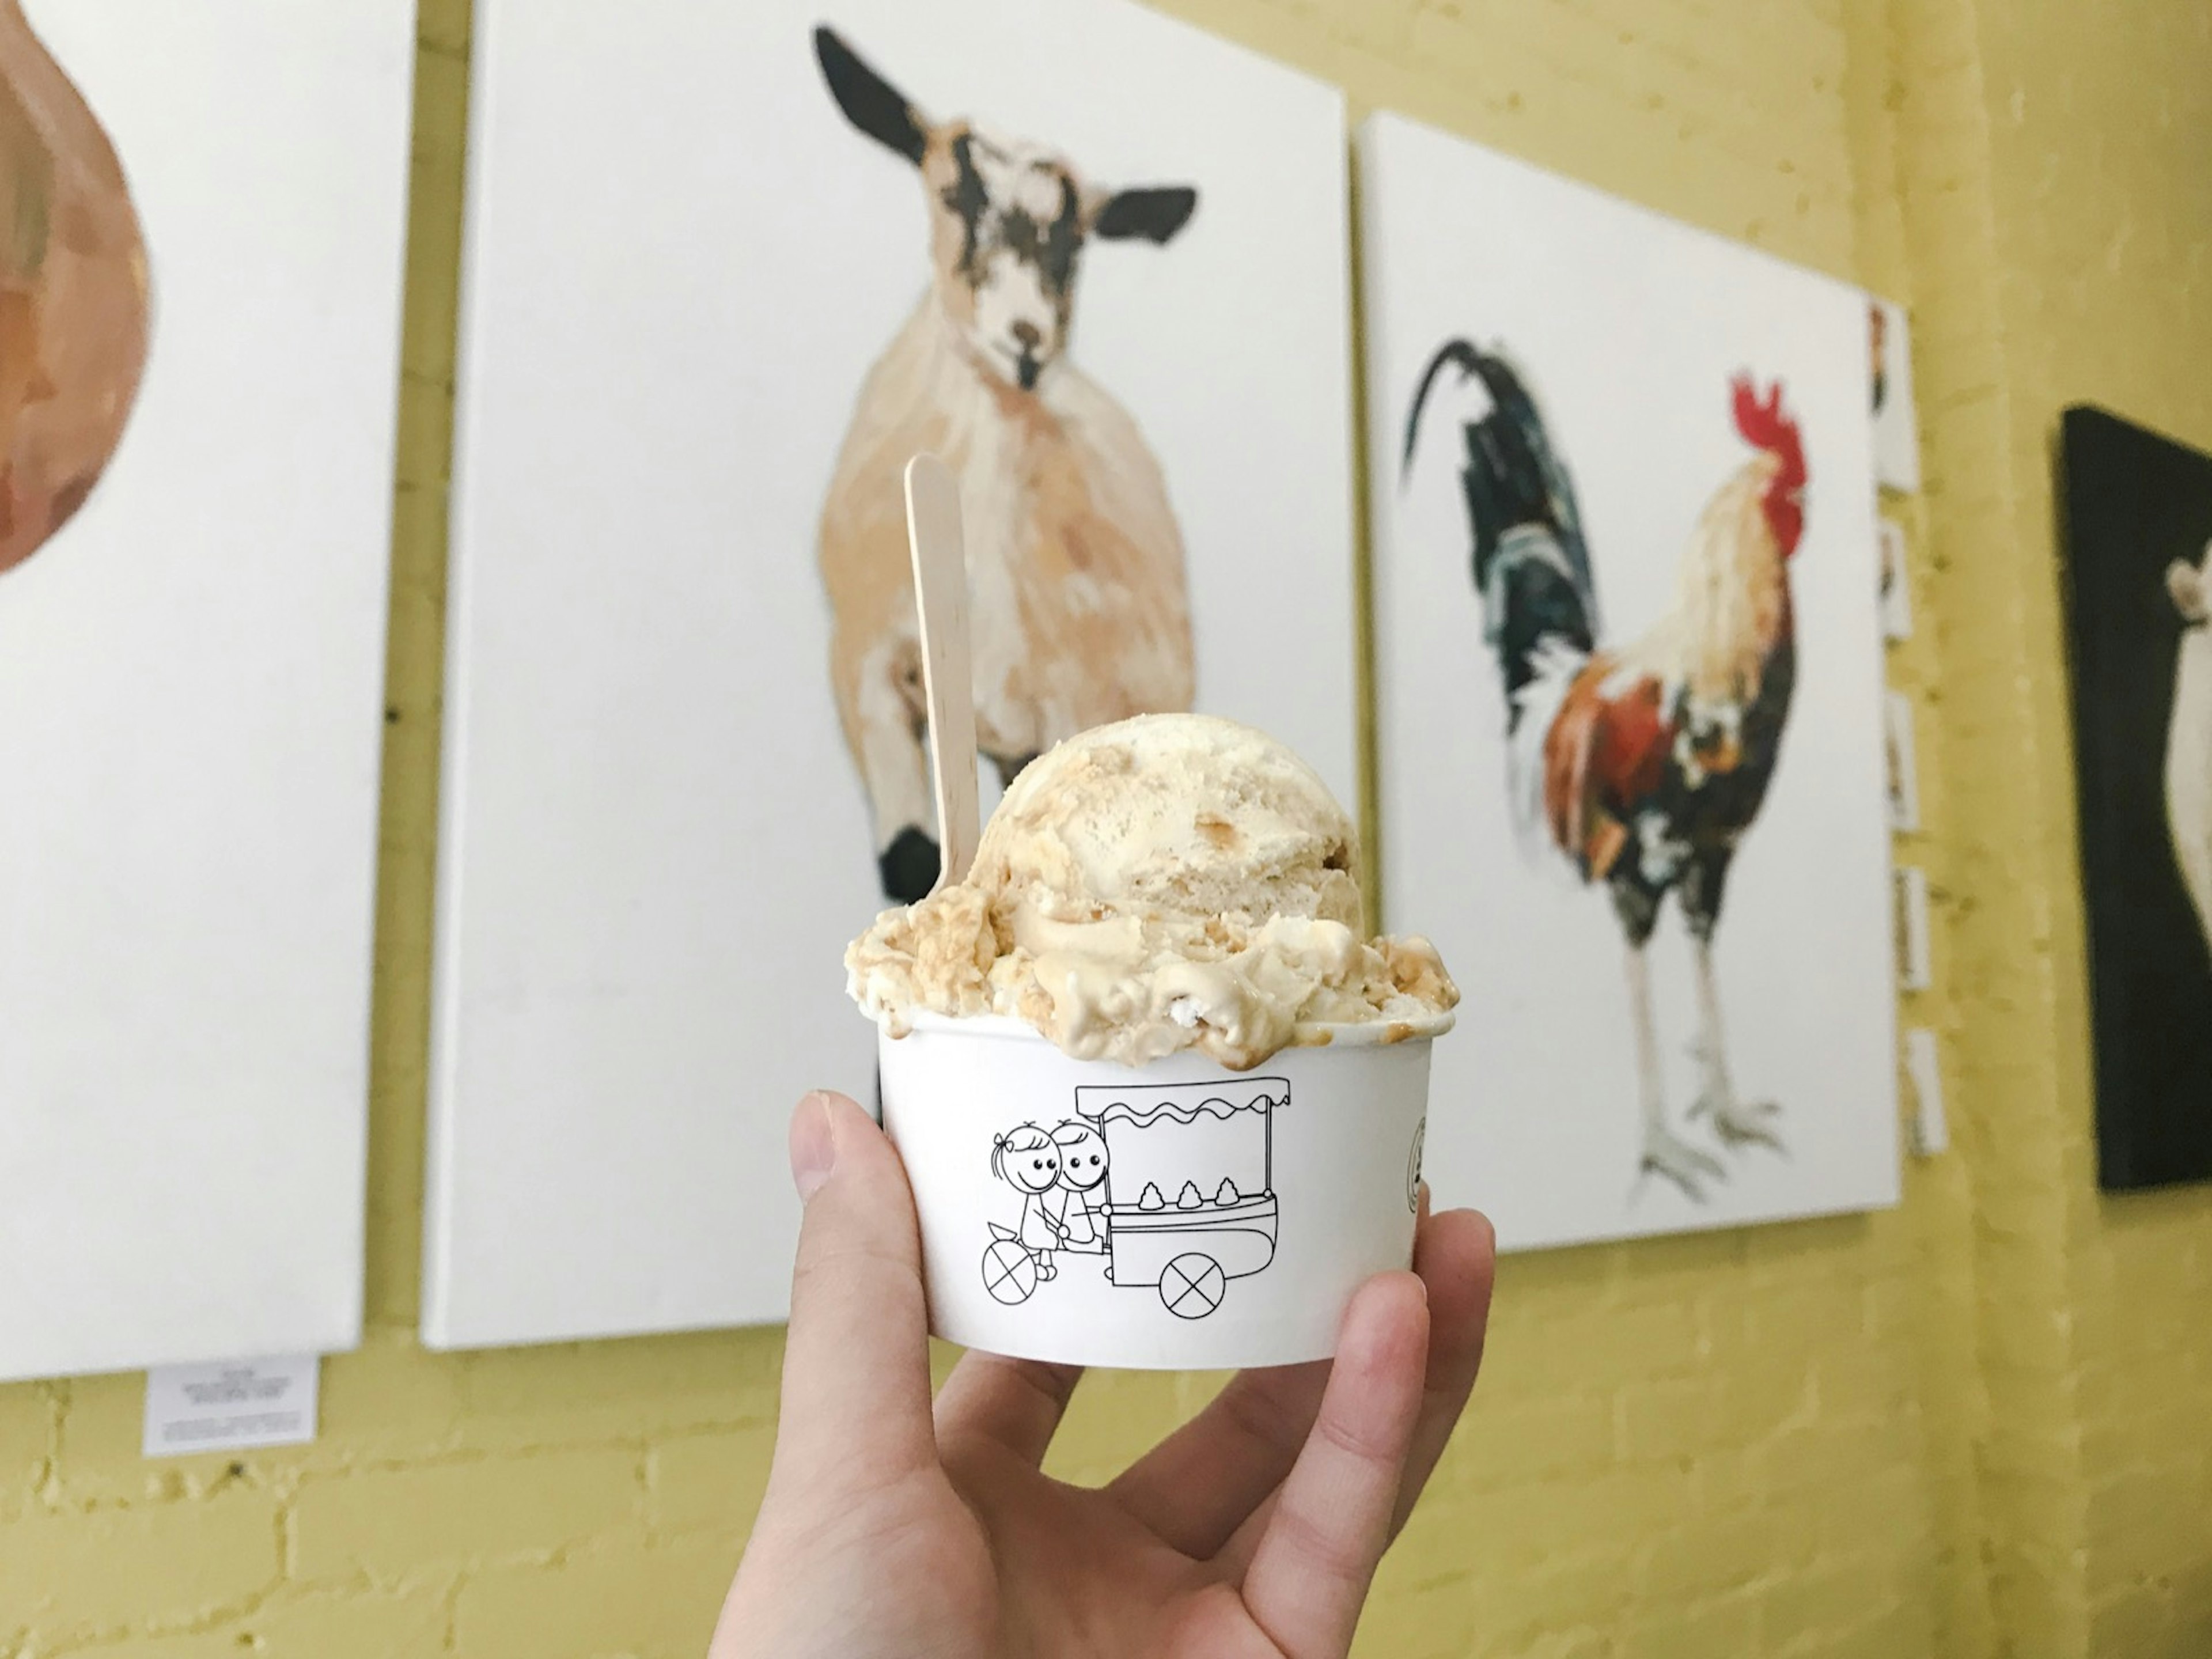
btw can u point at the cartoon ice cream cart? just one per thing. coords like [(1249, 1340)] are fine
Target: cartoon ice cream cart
[(1190, 1193)]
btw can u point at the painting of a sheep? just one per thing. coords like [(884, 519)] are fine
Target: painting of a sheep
[(2138, 511), (1079, 610)]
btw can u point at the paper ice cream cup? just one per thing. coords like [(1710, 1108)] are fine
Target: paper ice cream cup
[(1173, 1216)]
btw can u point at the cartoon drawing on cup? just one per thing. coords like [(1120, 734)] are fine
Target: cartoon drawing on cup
[(1413, 1168), (1211, 1144), (1081, 1196), (1019, 1257)]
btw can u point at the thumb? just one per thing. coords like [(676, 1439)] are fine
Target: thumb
[(855, 1409)]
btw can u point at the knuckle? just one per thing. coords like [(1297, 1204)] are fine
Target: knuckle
[(1321, 1550), (1258, 1421), (832, 1264), (1377, 1446)]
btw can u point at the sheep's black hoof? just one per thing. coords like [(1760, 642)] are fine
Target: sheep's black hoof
[(909, 866)]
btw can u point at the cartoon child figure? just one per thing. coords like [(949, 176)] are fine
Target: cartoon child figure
[(1026, 1160), (1082, 1180)]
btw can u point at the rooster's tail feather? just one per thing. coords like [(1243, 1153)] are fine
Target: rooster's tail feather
[(1531, 567)]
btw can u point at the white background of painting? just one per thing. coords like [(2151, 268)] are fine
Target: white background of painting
[(191, 716), (1630, 326), (681, 263)]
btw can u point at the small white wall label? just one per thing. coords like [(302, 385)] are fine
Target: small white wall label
[(1896, 584), (231, 1405), (1915, 971), (1903, 766), (1931, 1131)]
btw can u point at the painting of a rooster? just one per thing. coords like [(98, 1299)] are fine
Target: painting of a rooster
[(1628, 700), (1642, 764)]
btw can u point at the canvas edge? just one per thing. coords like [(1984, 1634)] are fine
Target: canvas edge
[(2108, 1077), (1368, 140), (442, 1322), (393, 213)]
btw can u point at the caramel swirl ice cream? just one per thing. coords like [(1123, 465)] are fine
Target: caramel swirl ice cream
[(1170, 881)]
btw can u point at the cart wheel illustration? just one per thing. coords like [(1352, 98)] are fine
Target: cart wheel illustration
[(1010, 1272), (1193, 1285)]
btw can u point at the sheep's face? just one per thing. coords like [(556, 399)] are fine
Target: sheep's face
[(1007, 221)]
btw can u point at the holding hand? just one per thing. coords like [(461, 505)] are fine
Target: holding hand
[(892, 1528)]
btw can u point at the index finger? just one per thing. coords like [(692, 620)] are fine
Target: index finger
[(855, 1408)]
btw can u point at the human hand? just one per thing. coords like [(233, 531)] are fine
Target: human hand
[(1252, 1531)]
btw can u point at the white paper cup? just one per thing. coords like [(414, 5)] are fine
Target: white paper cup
[(1233, 1212)]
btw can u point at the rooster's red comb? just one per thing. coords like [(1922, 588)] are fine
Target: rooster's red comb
[(1765, 425)]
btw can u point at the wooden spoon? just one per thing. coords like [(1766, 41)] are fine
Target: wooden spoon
[(940, 586)]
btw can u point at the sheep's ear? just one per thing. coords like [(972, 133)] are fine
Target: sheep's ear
[(870, 102), (2187, 587), (1153, 214)]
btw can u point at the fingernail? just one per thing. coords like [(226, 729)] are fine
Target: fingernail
[(814, 1146)]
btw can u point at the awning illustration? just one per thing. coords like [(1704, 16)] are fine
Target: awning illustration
[(1185, 1102)]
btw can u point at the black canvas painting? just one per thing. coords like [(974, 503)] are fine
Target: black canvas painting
[(2137, 518)]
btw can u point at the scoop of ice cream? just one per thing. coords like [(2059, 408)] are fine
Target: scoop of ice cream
[(1172, 881), (1170, 816)]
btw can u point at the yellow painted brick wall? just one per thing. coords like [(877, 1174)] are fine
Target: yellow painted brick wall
[(2094, 121), (1972, 1427)]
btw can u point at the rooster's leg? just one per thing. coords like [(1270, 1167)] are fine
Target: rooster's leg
[(1737, 1123), (1665, 1153)]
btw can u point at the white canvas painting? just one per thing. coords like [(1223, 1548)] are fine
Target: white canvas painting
[(199, 324), (723, 275), (1629, 696), (1896, 427)]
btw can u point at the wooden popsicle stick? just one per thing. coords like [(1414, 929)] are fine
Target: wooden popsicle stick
[(940, 586)]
